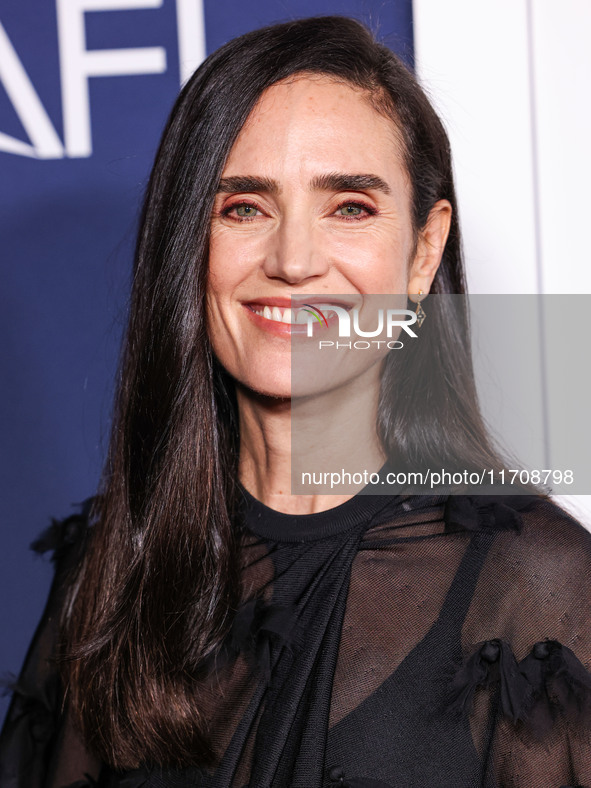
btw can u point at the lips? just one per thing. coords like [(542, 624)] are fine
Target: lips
[(283, 315), (291, 315), (348, 302), (300, 300)]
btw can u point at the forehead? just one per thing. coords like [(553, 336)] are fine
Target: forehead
[(313, 121)]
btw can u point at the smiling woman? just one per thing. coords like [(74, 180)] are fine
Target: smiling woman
[(304, 207), (207, 627)]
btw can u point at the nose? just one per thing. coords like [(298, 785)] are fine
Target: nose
[(294, 253)]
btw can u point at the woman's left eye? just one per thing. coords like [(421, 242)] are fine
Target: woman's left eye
[(354, 210)]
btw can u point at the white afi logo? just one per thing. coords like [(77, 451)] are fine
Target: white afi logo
[(78, 64)]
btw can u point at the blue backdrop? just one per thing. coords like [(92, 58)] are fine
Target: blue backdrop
[(85, 89)]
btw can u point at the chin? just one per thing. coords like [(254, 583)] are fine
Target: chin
[(265, 386), (278, 390)]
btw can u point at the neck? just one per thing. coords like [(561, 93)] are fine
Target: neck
[(281, 439)]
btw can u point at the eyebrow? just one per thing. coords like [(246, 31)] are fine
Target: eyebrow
[(332, 181)]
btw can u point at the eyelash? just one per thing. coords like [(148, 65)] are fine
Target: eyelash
[(226, 211), (369, 209)]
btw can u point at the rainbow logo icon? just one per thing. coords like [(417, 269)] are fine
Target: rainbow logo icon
[(315, 313)]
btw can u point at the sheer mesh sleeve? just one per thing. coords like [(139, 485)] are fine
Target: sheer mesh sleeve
[(527, 640), (38, 746)]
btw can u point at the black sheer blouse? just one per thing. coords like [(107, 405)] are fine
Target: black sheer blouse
[(389, 642)]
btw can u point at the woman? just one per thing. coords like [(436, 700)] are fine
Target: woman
[(215, 630)]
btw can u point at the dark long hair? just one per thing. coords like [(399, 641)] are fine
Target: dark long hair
[(156, 589)]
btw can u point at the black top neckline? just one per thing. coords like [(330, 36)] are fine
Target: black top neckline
[(269, 523)]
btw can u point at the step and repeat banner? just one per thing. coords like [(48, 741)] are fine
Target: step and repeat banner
[(85, 90)]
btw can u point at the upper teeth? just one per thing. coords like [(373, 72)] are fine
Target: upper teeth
[(294, 316)]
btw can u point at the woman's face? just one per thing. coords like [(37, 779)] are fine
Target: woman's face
[(314, 199)]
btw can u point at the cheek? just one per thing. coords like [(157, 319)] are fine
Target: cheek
[(379, 263), (214, 264), (393, 265), (216, 295), (221, 272), (232, 260), (214, 286)]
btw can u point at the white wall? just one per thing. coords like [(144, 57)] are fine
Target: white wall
[(511, 82)]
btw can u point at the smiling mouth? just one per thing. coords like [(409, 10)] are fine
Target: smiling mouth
[(293, 316)]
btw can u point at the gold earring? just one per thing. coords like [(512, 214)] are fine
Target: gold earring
[(420, 312)]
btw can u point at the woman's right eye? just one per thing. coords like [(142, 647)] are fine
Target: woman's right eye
[(242, 211)]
